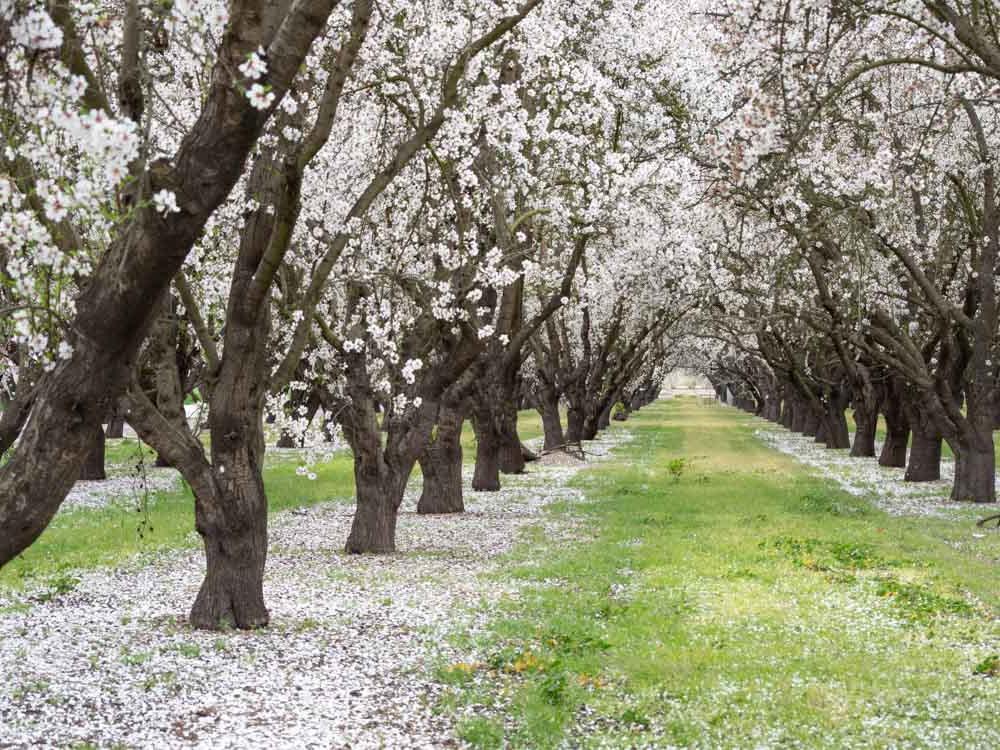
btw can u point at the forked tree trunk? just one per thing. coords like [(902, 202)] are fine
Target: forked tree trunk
[(441, 466), (925, 458), (93, 465), (866, 424)]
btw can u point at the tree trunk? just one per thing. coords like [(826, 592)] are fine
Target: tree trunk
[(511, 458), (498, 446), (975, 471), (551, 420), (810, 421), (800, 413), (925, 458), (975, 458), (441, 466), (486, 477), (822, 426), (772, 408), (866, 424), (836, 434), (379, 490), (787, 413), (233, 528), (589, 429), (604, 418), (93, 465), (114, 309), (897, 430), (116, 427), (574, 424)]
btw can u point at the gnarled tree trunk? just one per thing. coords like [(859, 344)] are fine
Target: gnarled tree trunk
[(441, 465)]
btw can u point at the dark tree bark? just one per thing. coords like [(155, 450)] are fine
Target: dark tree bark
[(441, 465), (486, 475), (574, 423), (115, 308), (552, 425), (925, 457), (975, 472), (604, 419), (787, 413), (810, 421), (93, 465), (866, 425), (116, 426), (897, 427), (379, 490), (512, 457), (834, 423)]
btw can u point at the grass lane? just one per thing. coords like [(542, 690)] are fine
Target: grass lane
[(727, 599)]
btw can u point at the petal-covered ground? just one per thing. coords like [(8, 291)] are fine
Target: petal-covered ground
[(884, 486), (108, 660)]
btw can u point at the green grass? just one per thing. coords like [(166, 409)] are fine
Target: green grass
[(91, 538), (730, 600), (83, 539)]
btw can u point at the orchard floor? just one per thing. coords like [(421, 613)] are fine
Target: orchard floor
[(697, 588)]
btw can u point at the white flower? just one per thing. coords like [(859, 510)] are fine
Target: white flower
[(65, 350), (290, 105), (261, 97), (255, 66), (36, 30), (56, 207), (165, 202), (410, 369)]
